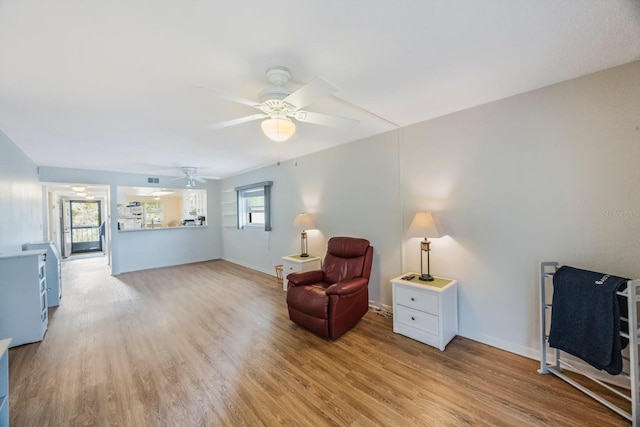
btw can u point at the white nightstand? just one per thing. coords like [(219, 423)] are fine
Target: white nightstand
[(426, 311), (294, 263)]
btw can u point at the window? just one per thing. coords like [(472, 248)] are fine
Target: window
[(153, 213), (254, 205)]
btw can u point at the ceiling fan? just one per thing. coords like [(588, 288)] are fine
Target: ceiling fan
[(190, 175), (278, 106)]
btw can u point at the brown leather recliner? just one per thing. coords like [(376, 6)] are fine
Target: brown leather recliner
[(331, 301)]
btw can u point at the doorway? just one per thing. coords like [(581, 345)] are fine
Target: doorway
[(87, 227)]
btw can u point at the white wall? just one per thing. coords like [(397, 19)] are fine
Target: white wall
[(349, 190), (547, 175), (141, 250), (20, 198), (528, 179)]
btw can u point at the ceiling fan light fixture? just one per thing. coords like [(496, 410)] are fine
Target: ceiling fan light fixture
[(278, 129)]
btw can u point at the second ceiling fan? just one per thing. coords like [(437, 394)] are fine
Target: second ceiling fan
[(278, 106), (190, 176)]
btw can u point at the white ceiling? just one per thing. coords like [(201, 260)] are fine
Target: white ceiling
[(115, 85)]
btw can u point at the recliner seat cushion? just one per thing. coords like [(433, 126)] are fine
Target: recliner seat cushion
[(312, 300)]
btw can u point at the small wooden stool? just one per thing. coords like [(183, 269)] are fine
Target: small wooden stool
[(279, 272)]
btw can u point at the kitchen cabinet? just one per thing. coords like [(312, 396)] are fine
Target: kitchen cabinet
[(131, 217)]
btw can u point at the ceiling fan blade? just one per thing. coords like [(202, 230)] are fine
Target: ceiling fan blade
[(237, 121), (314, 90), (197, 178), (177, 178), (230, 97), (325, 120)]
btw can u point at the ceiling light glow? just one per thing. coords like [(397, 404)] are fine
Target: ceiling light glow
[(278, 129)]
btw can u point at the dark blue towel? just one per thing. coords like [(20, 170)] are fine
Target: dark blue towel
[(585, 320)]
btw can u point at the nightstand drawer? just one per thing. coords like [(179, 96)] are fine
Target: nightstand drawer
[(417, 299), (416, 319), (290, 267)]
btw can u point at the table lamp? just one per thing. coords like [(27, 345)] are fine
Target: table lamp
[(304, 222), (423, 225)]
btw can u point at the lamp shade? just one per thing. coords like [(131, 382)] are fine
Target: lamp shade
[(278, 129), (424, 225), (304, 222)]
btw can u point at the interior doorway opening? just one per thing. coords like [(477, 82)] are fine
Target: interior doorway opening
[(88, 234)]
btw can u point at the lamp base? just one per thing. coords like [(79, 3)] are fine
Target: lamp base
[(426, 278), (306, 255)]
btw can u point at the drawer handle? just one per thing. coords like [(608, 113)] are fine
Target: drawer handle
[(413, 318), (413, 299)]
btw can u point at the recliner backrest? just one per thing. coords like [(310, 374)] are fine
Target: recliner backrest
[(347, 258)]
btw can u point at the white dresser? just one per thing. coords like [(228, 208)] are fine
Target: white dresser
[(54, 270), (425, 311), (295, 263), (4, 382), (23, 296)]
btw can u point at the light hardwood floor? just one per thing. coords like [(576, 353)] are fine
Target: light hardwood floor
[(211, 344)]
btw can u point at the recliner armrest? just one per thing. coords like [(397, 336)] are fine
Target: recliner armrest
[(302, 278), (347, 287)]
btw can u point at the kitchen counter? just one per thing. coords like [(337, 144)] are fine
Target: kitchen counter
[(129, 230)]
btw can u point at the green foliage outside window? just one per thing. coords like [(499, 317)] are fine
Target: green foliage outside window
[(153, 212), (85, 214)]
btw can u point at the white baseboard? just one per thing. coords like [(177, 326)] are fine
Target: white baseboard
[(271, 272), (536, 355), (381, 309)]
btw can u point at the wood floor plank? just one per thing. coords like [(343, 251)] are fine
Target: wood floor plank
[(211, 344)]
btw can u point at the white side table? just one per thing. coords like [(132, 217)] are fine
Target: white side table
[(425, 311), (295, 263)]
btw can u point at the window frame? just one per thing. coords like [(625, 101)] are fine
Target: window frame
[(243, 214)]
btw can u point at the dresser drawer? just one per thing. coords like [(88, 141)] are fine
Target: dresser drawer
[(416, 319), (417, 299)]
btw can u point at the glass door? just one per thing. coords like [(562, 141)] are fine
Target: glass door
[(86, 219)]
